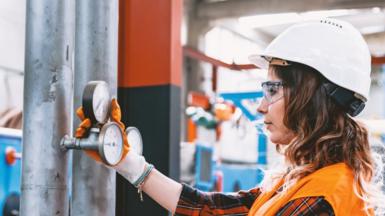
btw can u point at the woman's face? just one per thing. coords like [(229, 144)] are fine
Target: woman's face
[(273, 109)]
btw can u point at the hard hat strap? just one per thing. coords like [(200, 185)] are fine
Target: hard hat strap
[(344, 98)]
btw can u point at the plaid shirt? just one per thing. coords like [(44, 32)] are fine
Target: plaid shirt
[(195, 202)]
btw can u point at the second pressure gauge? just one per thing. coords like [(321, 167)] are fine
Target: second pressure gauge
[(96, 101), (135, 139)]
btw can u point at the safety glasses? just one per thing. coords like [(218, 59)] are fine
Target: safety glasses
[(271, 91)]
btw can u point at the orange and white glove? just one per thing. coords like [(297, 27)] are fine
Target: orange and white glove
[(85, 125), (132, 165)]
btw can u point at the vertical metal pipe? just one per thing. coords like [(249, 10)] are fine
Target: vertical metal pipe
[(93, 185), (48, 85)]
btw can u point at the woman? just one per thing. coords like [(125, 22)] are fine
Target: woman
[(318, 78)]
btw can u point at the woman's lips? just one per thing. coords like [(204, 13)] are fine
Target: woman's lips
[(268, 124)]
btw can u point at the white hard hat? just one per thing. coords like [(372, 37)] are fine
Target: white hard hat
[(333, 47)]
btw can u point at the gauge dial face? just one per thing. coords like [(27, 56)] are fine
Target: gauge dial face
[(96, 101), (101, 102), (111, 143), (135, 139)]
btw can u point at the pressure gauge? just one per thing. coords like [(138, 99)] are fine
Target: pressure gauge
[(135, 139), (107, 141), (111, 143), (96, 101)]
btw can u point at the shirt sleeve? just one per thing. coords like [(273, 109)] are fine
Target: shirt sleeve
[(306, 206), (195, 202)]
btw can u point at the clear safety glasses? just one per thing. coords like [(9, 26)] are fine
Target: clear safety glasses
[(271, 91)]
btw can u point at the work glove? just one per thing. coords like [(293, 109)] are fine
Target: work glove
[(132, 166), (85, 125)]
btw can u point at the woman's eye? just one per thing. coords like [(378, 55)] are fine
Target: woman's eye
[(272, 90)]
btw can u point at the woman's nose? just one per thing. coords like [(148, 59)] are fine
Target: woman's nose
[(263, 106)]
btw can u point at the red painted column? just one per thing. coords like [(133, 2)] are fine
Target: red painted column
[(150, 52), (149, 80)]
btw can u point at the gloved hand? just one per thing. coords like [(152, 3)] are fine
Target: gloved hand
[(132, 166), (84, 126)]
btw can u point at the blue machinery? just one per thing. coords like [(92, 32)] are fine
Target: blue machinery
[(252, 115), (9, 173), (235, 176), (239, 98)]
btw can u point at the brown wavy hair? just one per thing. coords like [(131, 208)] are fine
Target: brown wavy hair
[(325, 133)]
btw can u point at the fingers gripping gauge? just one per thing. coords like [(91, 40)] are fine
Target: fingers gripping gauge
[(135, 139), (96, 101)]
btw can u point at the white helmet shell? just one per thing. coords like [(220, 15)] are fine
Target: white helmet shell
[(333, 47)]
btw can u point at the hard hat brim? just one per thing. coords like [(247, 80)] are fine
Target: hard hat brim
[(259, 60)]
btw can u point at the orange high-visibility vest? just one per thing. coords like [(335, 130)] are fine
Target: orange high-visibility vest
[(334, 183)]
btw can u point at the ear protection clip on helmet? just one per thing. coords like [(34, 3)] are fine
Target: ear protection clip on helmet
[(352, 103), (277, 61)]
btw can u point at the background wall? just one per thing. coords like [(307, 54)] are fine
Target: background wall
[(12, 40)]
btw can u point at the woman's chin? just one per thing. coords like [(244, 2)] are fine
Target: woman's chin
[(278, 140), (280, 137)]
